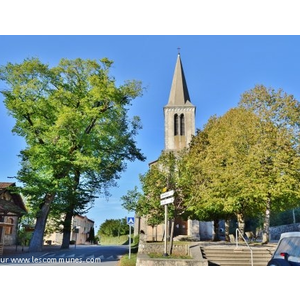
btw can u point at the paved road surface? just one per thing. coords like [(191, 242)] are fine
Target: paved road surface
[(81, 255)]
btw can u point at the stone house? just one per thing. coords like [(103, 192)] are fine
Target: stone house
[(12, 208), (81, 226)]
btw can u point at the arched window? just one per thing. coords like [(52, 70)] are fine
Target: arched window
[(8, 229), (175, 124), (182, 125)]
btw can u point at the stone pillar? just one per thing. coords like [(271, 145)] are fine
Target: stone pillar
[(193, 229), (206, 230)]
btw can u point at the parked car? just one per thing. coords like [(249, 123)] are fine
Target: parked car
[(287, 252)]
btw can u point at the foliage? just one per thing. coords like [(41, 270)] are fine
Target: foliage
[(113, 228), (91, 237), (131, 199), (240, 166), (113, 240), (237, 163), (279, 151), (149, 205), (74, 120), (25, 225), (118, 240), (286, 217), (162, 176)]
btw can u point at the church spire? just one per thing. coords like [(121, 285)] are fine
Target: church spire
[(179, 113), (179, 95)]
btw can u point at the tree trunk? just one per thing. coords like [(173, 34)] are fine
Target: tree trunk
[(216, 231), (241, 225), (70, 213), (153, 233), (36, 243), (67, 230), (227, 225), (266, 228), (172, 235)]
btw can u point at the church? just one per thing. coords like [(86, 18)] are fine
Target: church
[(179, 127)]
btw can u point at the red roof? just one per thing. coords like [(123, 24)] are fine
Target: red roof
[(4, 185)]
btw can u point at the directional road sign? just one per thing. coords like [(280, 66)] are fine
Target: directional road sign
[(167, 201), (167, 194), (130, 220)]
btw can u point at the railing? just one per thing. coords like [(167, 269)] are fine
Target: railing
[(237, 241)]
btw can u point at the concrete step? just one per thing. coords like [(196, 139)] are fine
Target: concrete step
[(237, 251), (238, 264), (240, 255), (232, 256)]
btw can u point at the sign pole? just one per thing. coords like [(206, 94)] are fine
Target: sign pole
[(130, 221), (166, 199), (129, 241), (166, 229)]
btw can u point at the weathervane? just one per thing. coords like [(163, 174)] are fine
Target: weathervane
[(178, 49)]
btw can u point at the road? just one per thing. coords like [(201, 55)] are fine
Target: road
[(79, 255)]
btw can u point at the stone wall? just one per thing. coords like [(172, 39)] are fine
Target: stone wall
[(192, 250), (158, 247), (10, 235), (144, 260), (276, 231)]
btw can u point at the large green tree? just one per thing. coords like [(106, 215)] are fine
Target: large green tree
[(203, 196), (278, 151), (74, 120), (242, 165), (164, 175), (153, 183), (215, 161)]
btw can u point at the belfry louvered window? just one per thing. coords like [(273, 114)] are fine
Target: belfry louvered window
[(176, 124), (182, 125)]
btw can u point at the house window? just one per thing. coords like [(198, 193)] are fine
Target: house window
[(175, 124), (182, 125), (8, 229)]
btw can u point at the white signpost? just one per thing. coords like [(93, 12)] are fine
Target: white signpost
[(167, 194), (167, 198), (130, 222), (167, 201)]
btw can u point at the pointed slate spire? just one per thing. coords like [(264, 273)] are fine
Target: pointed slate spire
[(179, 95), (179, 113)]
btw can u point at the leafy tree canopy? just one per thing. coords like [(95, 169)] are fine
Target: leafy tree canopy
[(74, 119), (113, 227)]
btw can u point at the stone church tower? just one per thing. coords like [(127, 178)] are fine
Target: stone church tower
[(179, 113)]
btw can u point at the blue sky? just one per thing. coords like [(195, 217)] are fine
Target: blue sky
[(218, 69)]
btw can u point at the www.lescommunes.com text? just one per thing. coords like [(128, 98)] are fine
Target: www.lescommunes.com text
[(47, 260)]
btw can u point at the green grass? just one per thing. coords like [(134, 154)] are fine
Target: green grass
[(109, 240), (121, 240), (125, 261)]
